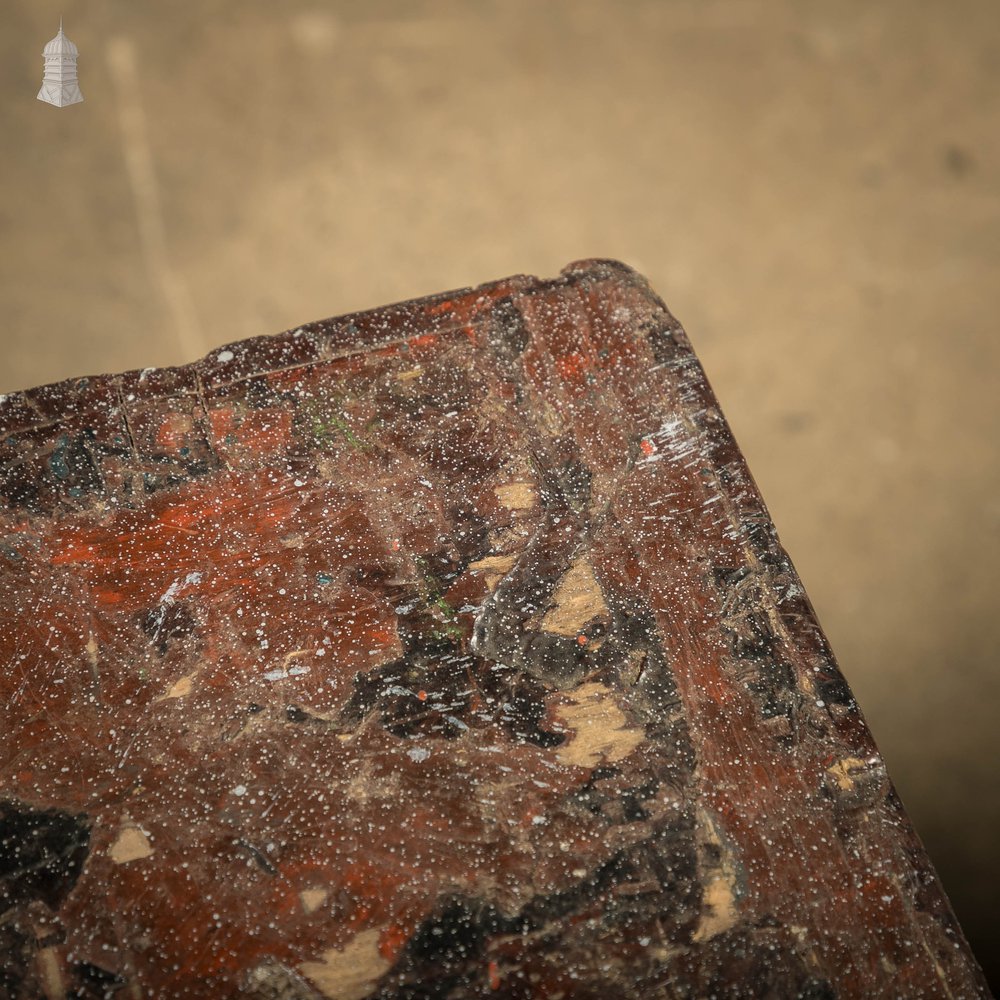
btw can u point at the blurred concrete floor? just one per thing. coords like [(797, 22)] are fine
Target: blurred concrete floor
[(814, 188)]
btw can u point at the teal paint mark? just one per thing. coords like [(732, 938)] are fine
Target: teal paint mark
[(57, 460)]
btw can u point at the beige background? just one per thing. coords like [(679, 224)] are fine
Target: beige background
[(812, 186)]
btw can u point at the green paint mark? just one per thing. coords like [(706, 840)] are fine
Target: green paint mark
[(435, 602), (324, 427), (449, 632), (440, 602), (352, 438)]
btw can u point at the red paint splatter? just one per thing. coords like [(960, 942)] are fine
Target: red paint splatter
[(647, 446), (493, 971), (382, 636), (573, 366), (425, 340), (391, 941)]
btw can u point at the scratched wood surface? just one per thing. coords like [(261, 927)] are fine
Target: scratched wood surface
[(445, 650)]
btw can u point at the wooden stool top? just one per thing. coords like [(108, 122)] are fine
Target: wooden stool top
[(444, 650)]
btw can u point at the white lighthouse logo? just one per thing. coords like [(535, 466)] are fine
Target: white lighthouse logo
[(59, 85)]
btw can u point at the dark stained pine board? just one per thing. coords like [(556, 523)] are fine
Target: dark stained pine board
[(444, 650)]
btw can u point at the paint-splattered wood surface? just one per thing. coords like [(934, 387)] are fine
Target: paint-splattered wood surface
[(445, 650)]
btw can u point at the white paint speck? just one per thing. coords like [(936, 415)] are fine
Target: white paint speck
[(224, 356), (279, 674), (170, 595)]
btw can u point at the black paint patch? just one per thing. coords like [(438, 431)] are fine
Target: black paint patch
[(763, 962), (521, 702), (758, 658), (42, 852), (17, 979), (436, 689), (20, 488), (424, 692), (664, 338), (508, 334), (454, 935), (167, 621), (446, 956), (94, 983), (833, 689), (445, 953)]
